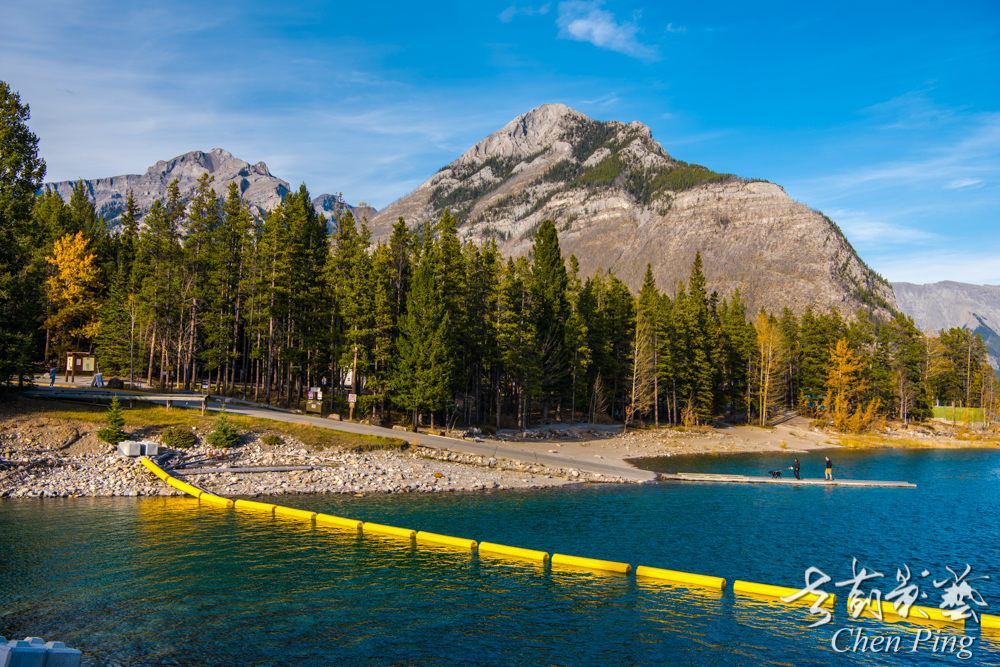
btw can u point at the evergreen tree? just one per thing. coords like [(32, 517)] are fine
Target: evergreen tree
[(549, 312), (20, 278), (700, 336), (114, 434), (423, 369)]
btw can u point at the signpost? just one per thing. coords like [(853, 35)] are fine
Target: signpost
[(351, 400)]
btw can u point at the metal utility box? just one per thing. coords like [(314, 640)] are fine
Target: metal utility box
[(314, 401)]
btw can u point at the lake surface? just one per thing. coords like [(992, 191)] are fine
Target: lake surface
[(164, 581)]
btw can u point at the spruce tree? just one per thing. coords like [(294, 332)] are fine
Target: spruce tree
[(549, 313), (114, 434), (424, 365)]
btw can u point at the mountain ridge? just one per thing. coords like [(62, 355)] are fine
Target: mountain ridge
[(259, 188), (620, 200)]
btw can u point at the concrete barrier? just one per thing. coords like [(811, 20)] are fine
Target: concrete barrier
[(683, 578), (460, 542), (777, 592), (406, 533), (340, 522), (36, 652), (254, 506), (513, 552), (215, 500), (592, 564), (294, 513)]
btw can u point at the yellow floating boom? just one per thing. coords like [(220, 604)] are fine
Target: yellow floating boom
[(340, 522), (777, 592), (592, 564), (699, 580), (513, 552), (407, 533), (460, 542)]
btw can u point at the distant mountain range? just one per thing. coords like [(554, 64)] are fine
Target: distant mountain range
[(949, 304), (260, 189), (619, 200)]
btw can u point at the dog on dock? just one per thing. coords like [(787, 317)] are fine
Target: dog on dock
[(775, 474)]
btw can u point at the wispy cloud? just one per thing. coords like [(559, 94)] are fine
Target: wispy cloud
[(935, 266), (963, 183), (587, 22), (863, 228), (604, 101), (972, 155), (672, 28), (508, 14)]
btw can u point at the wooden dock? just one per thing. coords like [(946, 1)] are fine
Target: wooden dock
[(790, 481)]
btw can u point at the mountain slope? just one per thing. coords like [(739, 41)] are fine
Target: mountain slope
[(948, 304), (259, 189), (620, 200)]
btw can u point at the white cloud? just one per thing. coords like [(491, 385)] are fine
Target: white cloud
[(604, 101), (587, 22), (934, 266), (963, 183), (508, 14), (672, 28), (862, 228)]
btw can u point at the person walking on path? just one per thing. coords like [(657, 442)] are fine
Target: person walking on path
[(795, 469), (829, 469), (52, 376)]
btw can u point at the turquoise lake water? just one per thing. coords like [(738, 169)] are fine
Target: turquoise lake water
[(164, 581)]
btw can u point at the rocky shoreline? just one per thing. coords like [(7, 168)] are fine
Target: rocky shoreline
[(51, 474)]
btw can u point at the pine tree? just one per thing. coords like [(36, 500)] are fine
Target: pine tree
[(424, 365), (114, 434), (20, 278), (700, 335), (549, 312), (645, 375), (224, 434)]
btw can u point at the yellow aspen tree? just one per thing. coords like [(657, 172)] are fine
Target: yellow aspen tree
[(842, 383), (73, 292), (769, 349)]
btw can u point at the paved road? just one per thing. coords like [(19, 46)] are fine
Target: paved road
[(437, 442)]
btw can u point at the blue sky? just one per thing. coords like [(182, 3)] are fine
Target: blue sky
[(885, 116)]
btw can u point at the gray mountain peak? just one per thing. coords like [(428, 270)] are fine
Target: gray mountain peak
[(620, 201)]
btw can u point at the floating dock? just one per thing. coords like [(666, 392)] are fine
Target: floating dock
[(790, 481)]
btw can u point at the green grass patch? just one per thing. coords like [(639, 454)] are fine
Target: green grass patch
[(156, 417), (959, 414)]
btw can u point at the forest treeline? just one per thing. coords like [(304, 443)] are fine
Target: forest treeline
[(266, 306)]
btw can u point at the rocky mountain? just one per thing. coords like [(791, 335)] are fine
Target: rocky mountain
[(620, 200), (948, 304), (260, 189)]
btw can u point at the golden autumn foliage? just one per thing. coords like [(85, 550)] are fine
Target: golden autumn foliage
[(73, 291), (844, 386)]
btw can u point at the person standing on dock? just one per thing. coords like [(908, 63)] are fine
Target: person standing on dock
[(795, 469), (829, 469)]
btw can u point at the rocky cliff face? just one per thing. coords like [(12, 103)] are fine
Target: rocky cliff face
[(949, 304), (259, 189), (620, 200)]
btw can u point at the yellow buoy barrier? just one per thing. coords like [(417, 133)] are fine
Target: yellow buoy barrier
[(184, 486), (353, 524), (514, 552), (748, 588), (298, 514), (918, 614), (592, 563), (699, 580), (155, 469), (254, 506), (991, 623), (407, 533), (460, 542), (215, 500)]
